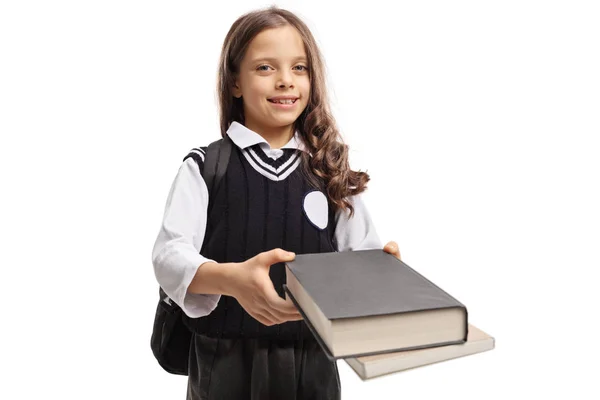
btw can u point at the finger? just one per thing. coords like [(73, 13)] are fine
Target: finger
[(292, 306), (287, 306), (275, 256), (268, 314), (281, 317), (295, 313), (274, 301), (266, 302), (283, 308), (276, 308), (284, 314), (392, 248), (263, 318), (285, 311), (272, 320), (271, 298)]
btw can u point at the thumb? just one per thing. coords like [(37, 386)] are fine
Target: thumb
[(275, 256)]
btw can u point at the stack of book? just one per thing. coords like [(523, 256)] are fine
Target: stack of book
[(377, 313)]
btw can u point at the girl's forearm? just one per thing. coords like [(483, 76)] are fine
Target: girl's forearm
[(214, 278)]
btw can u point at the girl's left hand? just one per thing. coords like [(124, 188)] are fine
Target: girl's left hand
[(392, 248)]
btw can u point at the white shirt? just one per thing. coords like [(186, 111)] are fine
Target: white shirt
[(176, 254)]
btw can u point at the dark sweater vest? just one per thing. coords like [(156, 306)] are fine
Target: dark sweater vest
[(251, 214)]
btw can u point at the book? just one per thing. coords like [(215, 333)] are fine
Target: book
[(367, 302), (373, 366)]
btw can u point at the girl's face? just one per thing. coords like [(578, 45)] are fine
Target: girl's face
[(274, 65)]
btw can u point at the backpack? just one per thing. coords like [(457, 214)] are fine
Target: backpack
[(171, 339)]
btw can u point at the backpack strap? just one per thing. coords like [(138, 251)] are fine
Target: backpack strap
[(215, 166), (215, 163)]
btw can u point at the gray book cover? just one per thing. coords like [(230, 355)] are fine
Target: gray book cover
[(366, 283)]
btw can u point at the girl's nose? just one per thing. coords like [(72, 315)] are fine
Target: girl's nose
[(285, 79)]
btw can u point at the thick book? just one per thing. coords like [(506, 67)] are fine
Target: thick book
[(367, 302), (383, 364)]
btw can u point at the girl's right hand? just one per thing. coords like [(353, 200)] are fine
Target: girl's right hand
[(255, 292)]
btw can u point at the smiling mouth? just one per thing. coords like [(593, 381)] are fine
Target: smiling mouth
[(283, 102)]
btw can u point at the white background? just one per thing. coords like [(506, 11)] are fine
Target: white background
[(478, 122)]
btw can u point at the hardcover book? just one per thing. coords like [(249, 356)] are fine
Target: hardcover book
[(372, 366), (368, 302)]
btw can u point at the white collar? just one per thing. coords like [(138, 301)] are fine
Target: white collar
[(244, 137)]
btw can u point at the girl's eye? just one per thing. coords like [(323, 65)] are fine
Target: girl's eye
[(261, 67)]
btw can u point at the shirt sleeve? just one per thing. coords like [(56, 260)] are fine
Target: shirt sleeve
[(357, 232), (176, 254)]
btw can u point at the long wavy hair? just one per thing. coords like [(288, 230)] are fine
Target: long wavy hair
[(328, 168)]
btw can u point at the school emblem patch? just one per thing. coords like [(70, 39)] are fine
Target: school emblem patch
[(316, 209)]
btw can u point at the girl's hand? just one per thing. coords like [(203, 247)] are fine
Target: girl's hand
[(392, 248), (254, 290)]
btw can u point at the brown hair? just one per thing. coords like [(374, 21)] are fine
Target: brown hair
[(316, 125)]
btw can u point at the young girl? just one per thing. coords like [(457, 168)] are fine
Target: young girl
[(288, 190)]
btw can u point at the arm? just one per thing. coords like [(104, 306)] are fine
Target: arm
[(196, 283), (358, 232), (178, 265)]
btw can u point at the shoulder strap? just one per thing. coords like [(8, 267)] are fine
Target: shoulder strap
[(215, 164)]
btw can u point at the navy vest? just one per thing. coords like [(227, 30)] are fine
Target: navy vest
[(258, 206)]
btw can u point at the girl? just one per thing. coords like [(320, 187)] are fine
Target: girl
[(288, 189)]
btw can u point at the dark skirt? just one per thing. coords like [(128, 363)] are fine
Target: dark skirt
[(259, 369)]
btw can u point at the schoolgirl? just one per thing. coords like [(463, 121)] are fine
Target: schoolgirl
[(288, 189)]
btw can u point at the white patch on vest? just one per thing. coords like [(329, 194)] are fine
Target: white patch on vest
[(315, 208)]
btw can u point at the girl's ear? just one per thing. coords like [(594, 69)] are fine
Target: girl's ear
[(236, 90)]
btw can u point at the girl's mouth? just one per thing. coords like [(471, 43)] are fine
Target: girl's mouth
[(285, 105), (283, 101)]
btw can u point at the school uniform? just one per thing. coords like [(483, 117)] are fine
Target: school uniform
[(263, 202)]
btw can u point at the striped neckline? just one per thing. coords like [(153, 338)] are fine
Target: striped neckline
[(276, 170)]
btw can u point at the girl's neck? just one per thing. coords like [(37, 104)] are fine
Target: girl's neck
[(277, 137)]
